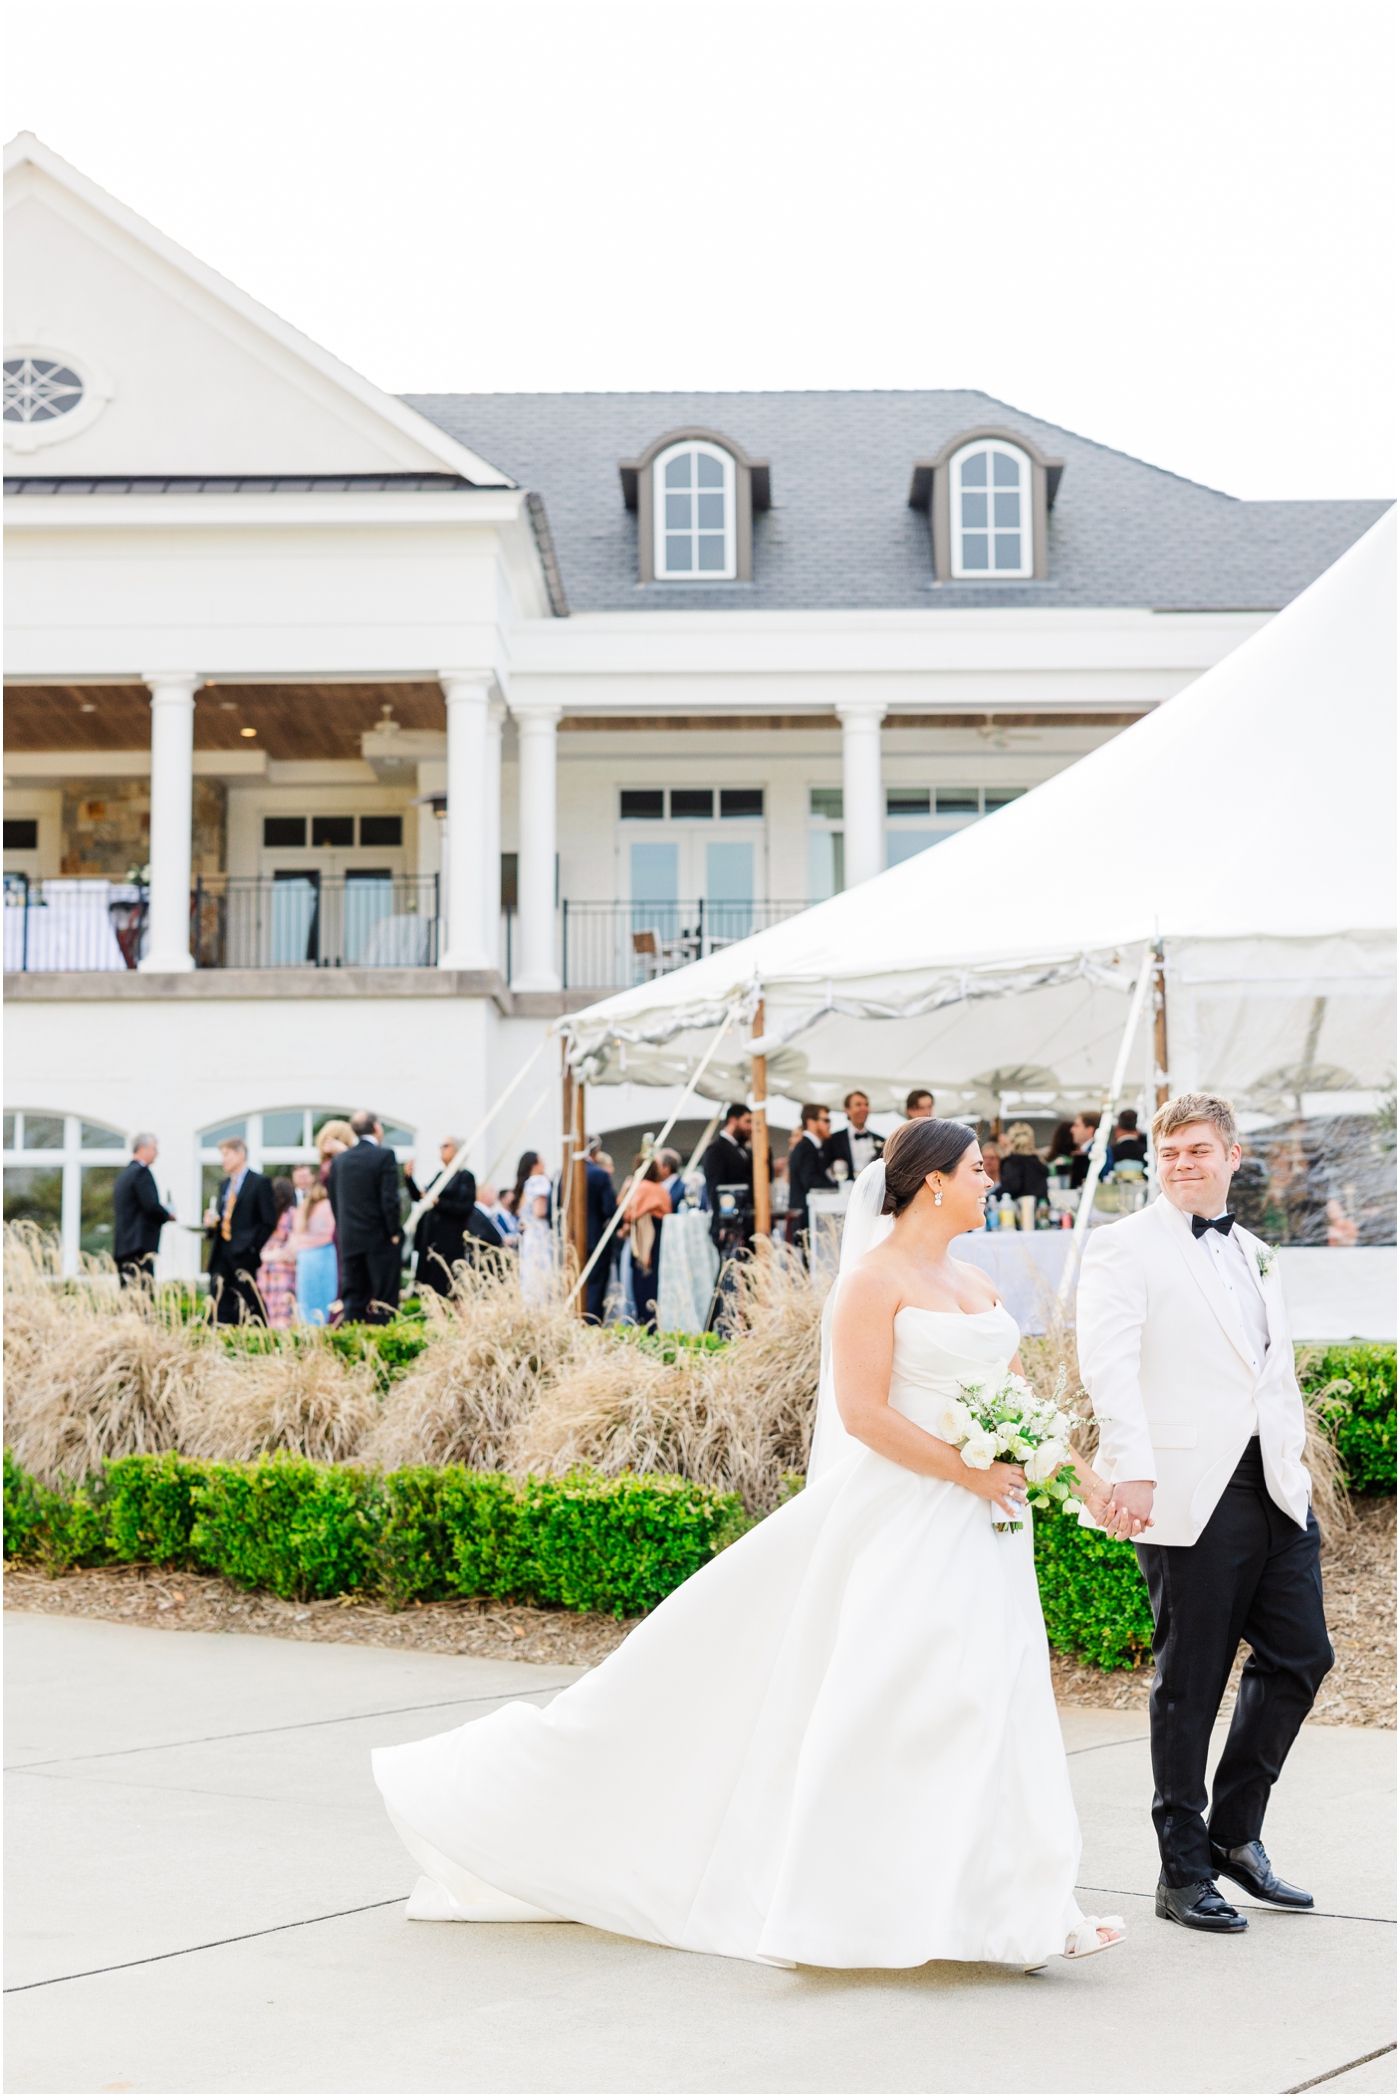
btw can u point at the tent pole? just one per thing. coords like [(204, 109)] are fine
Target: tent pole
[(563, 1221), (1098, 1150), (578, 1187), (758, 1083), (1159, 1026)]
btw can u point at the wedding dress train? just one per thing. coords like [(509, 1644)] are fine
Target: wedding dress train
[(836, 1745)]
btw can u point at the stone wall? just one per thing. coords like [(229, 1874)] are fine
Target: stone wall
[(107, 827)]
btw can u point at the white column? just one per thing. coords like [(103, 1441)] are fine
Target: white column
[(172, 815), (862, 794), (534, 962), (491, 830), (468, 704)]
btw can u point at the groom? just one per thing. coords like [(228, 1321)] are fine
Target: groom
[(1185, 1352)]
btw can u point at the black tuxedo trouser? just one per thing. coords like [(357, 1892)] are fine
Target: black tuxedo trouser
[(136, 1269), (1252, 1574), (236, 1299), (369, 1284)]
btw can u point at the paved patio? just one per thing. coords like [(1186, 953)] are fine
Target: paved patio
[(192, 1824)]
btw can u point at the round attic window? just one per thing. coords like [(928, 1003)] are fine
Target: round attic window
[(49, 394), (40, 389)]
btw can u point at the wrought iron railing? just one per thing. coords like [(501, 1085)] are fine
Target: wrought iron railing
[(311, 920), (610, 946)]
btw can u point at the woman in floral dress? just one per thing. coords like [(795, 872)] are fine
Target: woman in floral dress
[(277, 1276)]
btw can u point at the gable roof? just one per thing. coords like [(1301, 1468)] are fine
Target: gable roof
[(840, 532), (408, 441)]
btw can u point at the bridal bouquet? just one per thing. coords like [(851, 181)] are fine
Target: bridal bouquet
[(1008, 1422)]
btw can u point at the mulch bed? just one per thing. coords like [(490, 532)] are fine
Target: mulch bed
[(1358, 1574)]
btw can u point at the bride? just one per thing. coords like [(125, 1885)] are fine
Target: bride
[(835, 1745)]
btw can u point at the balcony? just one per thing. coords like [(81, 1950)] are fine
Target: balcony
[(611, 946), (310, 920), (300, 921)]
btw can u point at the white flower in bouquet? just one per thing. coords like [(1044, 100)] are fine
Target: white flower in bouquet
[(1045, 1461), (979, 1451), (953, 1422)]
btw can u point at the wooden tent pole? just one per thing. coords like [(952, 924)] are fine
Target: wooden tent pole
[(758, 1084), (1159, 1027), (578, 1190)]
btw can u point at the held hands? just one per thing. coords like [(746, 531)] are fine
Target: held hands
[(1003, 1484), (1129, 1511)]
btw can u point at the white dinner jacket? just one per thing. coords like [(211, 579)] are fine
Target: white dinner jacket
[(1164, 1358)]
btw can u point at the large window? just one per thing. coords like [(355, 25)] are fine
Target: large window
[(990, 496), (920, 816), (693, 511), (59, 1173)]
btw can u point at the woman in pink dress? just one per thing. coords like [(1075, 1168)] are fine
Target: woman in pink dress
[(277, 1275)]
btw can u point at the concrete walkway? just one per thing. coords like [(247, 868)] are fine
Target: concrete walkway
[(205, 1895)]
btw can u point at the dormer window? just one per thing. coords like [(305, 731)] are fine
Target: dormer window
[(695, 493), (991, 506), (989, 494), (693, 506)]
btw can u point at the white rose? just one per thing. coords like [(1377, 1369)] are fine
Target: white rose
[(953, 1422), (1046, 1462), (979, 1450)]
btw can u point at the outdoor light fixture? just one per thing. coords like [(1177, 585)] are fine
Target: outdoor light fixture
[(247, 731)]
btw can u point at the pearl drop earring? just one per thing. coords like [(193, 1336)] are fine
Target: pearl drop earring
[(938, 1199)]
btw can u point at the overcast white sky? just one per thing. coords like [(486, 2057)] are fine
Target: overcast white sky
[(1170, 227)]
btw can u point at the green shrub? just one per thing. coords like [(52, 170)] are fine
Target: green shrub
[(1094, 1597), (1360, 1411), (298, 1528), (388, 1348), (448, 1531), (53, 1529), (620, 1545), (150, 1508)]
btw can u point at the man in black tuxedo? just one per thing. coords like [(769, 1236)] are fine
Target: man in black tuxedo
[(239, 1220), (138, 1215), (729, 1163), (364, 1195), (807, 1169), (856, 1145), (450, 1230), (602, 1202)]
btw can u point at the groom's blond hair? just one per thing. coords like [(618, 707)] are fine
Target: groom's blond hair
[(1179, 1113)]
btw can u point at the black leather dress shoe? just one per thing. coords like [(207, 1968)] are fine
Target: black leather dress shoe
[(1199, 1907), (1249, 1867)]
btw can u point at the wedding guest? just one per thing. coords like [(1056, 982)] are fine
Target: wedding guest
[(505, 1218), (239, 1221), (532, 1208), (303, 1177), (331, 1140), (363, 1185), (991, 1160), (1060, 1151), (919, 1105), (728, 1162), (313, 1243), (670, 1163), (138, 1214), (807, 1169), (1022, 1172), (1127, 1140), (1082, 1130), (453, 1226), (647, 1203), (856, 1145), (276, 1277), (602, 1206)]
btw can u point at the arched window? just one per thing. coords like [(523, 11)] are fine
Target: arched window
[(279, 1141), (990, 497), (59, 1173), (693, 509)]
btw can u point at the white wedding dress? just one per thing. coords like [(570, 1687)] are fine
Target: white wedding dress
[(836, 1745)]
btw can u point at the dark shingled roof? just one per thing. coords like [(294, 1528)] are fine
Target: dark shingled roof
[(841, 534)]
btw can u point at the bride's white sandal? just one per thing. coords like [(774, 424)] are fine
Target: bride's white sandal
[(1084, 1940)]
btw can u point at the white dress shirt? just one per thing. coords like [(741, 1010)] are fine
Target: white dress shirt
[(1235, 1271), (862, 1151)]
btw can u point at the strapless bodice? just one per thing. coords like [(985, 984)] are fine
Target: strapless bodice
[(937, 1351)]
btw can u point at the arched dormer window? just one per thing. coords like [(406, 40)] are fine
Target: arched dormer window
[(695, 492), (693, 512), (990, 498), (989, 493)]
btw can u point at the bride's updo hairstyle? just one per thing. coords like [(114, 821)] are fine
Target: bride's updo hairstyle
[(916, 1150)]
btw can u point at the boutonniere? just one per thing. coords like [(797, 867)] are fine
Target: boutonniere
[(1265, 1259)]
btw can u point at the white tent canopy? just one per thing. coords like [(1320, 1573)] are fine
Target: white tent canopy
[(1246, 826)]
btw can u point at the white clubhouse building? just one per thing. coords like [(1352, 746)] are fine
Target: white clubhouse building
[(350, 739)]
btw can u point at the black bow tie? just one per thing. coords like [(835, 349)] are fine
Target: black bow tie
[(1201, 1224)]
